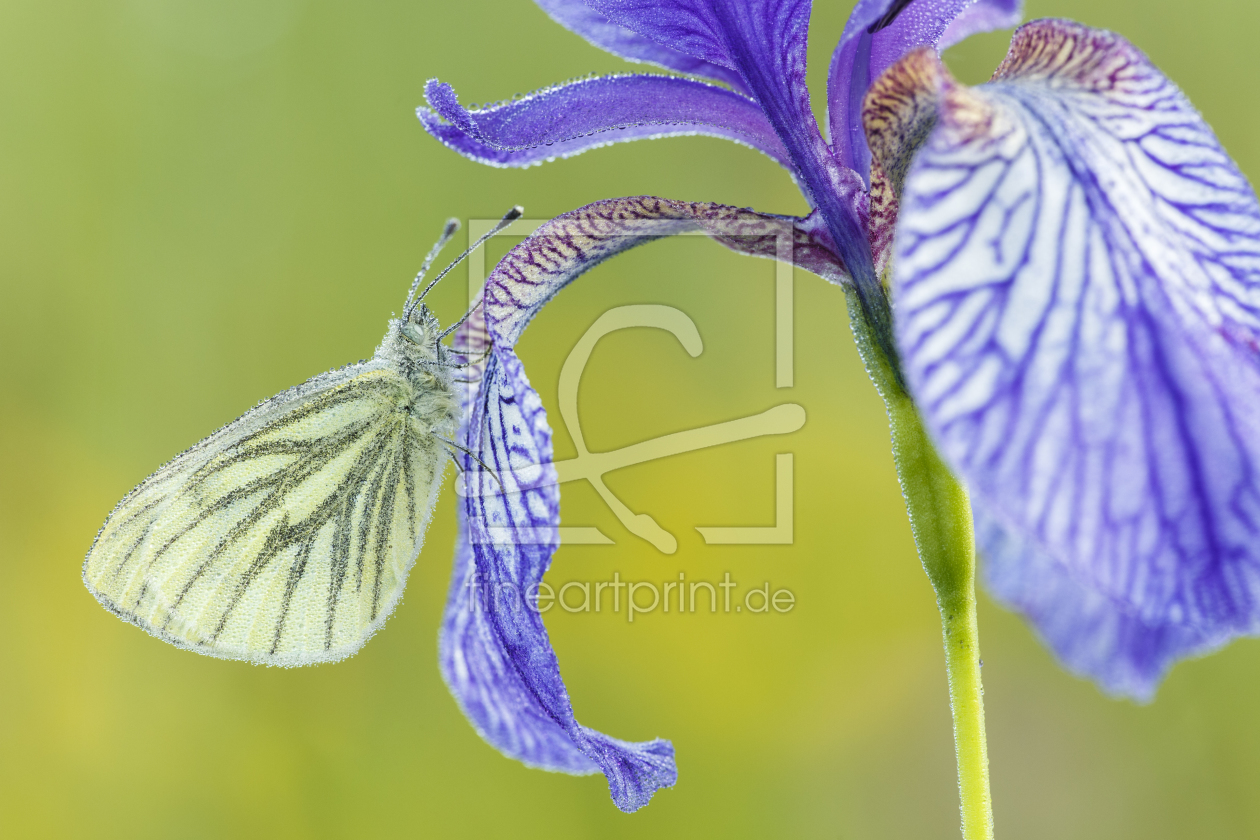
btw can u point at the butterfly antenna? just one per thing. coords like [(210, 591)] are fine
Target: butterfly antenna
[(465, 317), (511, 216), (472, 455), (448, 231), (478, 358)]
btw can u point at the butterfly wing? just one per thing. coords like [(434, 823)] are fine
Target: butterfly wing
[(284, 538)]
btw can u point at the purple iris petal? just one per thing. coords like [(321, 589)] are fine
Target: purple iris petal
[(880, 32), (581, 19), (765, 41), (480, 672), (715, 31), (495, 653), (1093, 635), (569, 119), (1077, 288)]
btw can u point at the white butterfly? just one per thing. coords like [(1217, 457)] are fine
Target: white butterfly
[(286, 537)]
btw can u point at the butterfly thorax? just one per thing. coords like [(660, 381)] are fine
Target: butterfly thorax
[(414, 351)]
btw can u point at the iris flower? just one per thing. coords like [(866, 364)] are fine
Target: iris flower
[(1053, 282)]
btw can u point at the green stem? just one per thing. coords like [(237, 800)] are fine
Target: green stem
[(940, 519)]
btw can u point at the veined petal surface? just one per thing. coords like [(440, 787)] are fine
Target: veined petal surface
[(580, 19), (734, 35), (566, 247), (1076, 283), (879, 33), (495, 653), (569, 119), (1092, 634), (494, 650)]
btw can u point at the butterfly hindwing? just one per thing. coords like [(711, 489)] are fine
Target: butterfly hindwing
[(284, 538)]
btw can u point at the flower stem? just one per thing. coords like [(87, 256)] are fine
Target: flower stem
[(940, 519)]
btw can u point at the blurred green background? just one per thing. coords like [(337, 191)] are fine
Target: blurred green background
[(204, 203)]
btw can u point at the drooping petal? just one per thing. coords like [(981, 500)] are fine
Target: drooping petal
[(1092, 634), (579, 18), (880, 32), (495, 653), (765, 41), (1077, 293), (480, 672), (569, 119)]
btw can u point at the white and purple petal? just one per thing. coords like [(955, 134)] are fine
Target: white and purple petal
[(580, 19), (569, 119), (1076, 283), (1092, 634), (878, 34), (494, 650)]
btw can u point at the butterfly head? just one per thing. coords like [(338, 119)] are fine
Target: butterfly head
[(419, 332), (418, 329)]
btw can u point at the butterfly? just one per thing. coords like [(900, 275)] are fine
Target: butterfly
[(286, 537)]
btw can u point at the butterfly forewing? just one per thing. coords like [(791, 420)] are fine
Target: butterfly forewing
[(287, 536)]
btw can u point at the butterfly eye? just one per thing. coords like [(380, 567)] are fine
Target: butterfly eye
[(413, 333)]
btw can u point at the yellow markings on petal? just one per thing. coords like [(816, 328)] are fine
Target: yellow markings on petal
[(1065, 54), (967, 114), (898, 113), (900, 110)]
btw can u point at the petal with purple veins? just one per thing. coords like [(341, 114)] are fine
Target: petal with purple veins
[(1076, 282), (733, 35), (579, 18), (764, 41), (569, 119), (1092, 634)]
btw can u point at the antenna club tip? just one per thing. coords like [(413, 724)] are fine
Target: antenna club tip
[(452, 225), (514, 214)]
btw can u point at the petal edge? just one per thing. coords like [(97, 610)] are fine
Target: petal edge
[(566, 120)]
